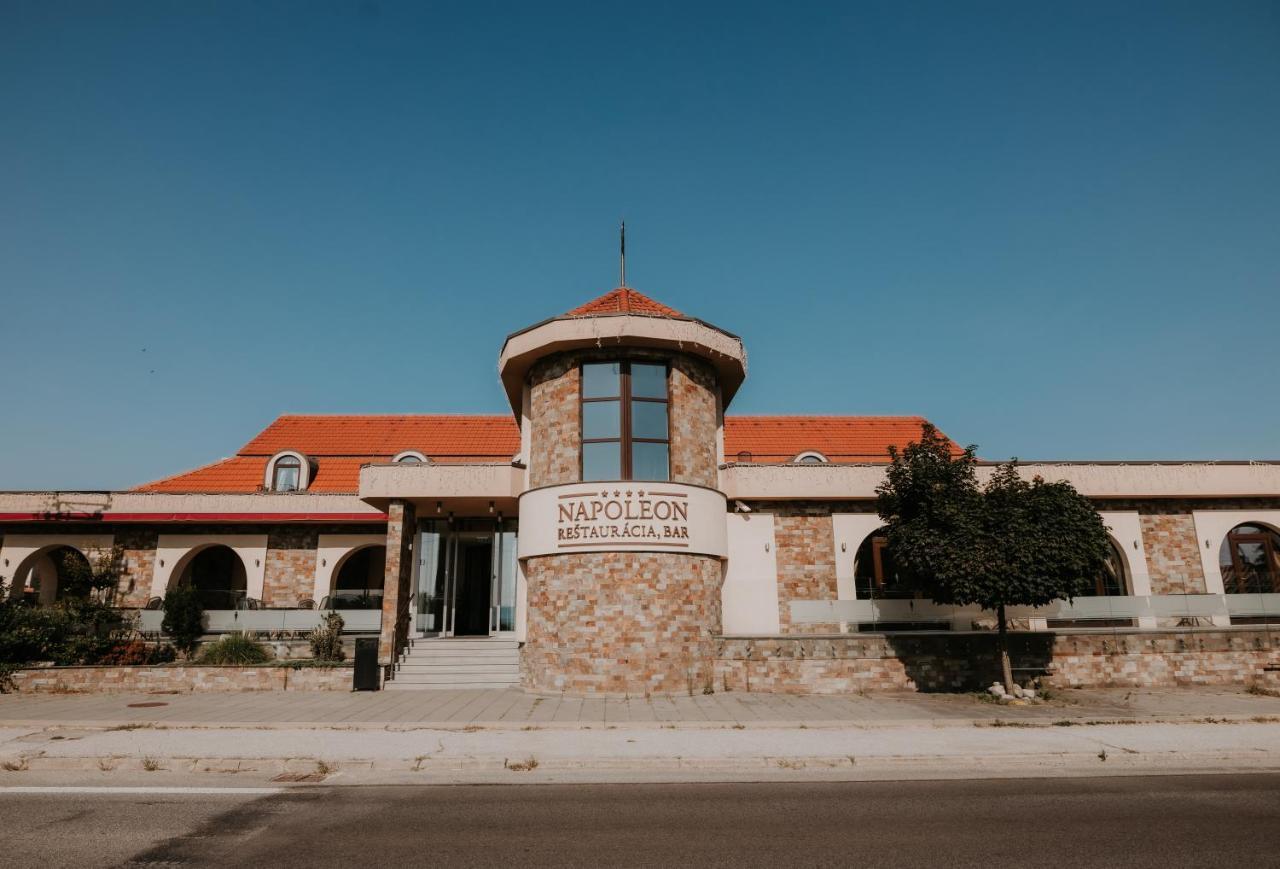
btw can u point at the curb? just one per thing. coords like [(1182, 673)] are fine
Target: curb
[(975, 766), (833, 724)]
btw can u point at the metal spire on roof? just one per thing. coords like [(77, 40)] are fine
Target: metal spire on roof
[(622, 260)]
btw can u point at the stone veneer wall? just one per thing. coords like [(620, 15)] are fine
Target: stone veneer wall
[(290, 569), (1173, 551), (555, 434), (875, 662), (107, 680), (694, 417), (555, 438), (633, 623), (804, 546), (139, 550)]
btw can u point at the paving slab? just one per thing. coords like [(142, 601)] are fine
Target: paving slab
[(515, 708)]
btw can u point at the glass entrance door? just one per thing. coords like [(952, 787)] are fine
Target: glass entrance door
[(466, 581), (472, 584)]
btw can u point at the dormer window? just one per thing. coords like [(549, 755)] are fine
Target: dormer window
[(409, 457), (287, 475), (288, 471), (810, 457)]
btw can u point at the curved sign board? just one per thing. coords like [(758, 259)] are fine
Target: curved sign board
[(622, 517)]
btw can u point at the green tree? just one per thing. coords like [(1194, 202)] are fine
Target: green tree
[(183, 620), (1010, 543)]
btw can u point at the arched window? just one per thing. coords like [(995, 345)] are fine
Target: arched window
[(286, 476), (810, 457), (1250, 560), (409, 457)]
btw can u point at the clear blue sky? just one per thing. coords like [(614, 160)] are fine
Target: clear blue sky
[(1052, 228)]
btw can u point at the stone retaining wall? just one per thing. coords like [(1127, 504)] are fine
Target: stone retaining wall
[(940, 662), (181, 679)]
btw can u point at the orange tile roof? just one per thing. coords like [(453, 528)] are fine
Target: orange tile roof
[(340, 445), (474, 436), (839, 438), (624, 300)]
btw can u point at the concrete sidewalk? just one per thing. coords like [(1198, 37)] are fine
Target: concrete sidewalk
[(240, 756), (515, 709), (477, 736)]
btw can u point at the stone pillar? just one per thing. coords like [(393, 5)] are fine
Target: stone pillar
[(397, 585)]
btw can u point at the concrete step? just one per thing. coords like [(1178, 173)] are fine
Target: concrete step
[(451, 686), (464, 643), (407, 667), (460, 662), (455, 678), (445, 654)]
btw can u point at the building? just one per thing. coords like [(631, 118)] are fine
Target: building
[(620, 532)]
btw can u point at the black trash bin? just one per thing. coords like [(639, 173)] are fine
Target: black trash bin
[(365, 677)]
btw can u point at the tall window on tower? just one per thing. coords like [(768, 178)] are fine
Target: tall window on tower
[(624, 421)]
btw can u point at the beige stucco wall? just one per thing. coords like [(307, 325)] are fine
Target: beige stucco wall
[(174, 552), (817, 482), (163, 504), (1211, 527), (331, 551), (20, 552), (749, 598)]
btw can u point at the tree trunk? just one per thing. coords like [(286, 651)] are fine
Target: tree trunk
[(1002, 648)]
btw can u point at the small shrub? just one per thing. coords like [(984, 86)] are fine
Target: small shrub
[(235, 649), (6, 678), (138, 653), (74, 630), (326, 639), (312, 664), (183, 618)]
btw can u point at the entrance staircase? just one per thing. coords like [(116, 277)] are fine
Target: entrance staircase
[(472, 662)]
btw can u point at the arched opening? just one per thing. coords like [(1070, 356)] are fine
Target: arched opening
[(358, 581), (875, 573), (218, 575), (53, 574), (1250, 560), (877, 576), (1112, 580)]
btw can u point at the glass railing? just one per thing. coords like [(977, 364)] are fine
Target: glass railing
[(269, 621), (1119, 613)]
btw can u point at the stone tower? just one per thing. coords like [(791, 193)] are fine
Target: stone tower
[(622, 525)]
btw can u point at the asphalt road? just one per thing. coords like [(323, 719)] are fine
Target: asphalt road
[(1158, 821)]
